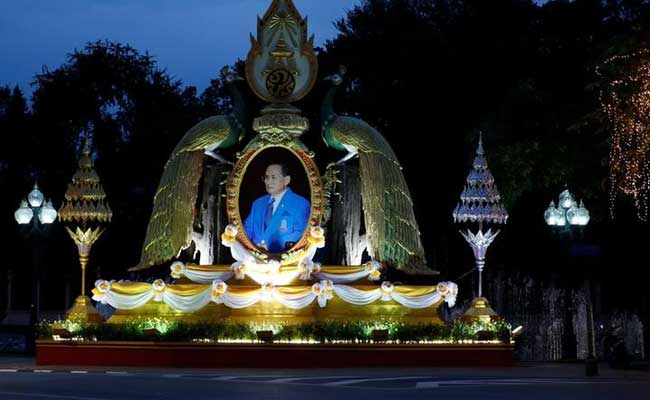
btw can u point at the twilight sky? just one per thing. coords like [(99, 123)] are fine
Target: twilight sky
[(192, 39)]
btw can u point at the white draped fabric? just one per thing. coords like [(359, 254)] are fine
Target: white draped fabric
[(126, 302), (270, 273), (272, 276), (423, 301), (199, 274), (351, 277), (235, 301), (356, 296), (187, 303), (189, 298), (295, 301)]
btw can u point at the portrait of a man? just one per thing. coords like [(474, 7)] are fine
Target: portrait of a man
[(278, 219)]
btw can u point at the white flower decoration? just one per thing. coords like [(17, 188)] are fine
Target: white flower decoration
[(267, 292), (374, 270), (316, 289), (273, 267), (317, 232), (178, 269), (219, 288), (448, 291), (323, 291), (316, 236), (327, 285), (158, 289), (386, 290), (231, 230), (305, 271), (307, 268), (229, 234), (239, 269), (103, 286)]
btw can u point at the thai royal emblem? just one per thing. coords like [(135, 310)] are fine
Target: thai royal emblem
[(281, 66)]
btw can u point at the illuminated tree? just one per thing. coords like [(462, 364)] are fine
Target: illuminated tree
[(625, 101)]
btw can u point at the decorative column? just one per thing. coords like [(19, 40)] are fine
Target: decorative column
[(480, 203), (85, 214)]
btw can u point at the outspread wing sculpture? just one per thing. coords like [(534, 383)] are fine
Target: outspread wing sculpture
[(171, 223), (392, 231)]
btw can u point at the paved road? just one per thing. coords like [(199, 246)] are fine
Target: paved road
[(21, 380)]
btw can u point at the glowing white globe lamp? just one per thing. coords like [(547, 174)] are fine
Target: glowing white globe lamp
[(35, 197), (24, 214)]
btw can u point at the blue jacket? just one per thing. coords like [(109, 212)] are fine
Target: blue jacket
[(287, 224)]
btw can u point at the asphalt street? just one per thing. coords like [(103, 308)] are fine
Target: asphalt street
[(20, 379)]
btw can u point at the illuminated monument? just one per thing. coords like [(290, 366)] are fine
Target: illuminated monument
[(287, 287), (277, 198)]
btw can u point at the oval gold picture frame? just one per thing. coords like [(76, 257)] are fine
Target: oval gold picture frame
[(234, 211)]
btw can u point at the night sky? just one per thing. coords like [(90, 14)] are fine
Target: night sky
[(192, 39)]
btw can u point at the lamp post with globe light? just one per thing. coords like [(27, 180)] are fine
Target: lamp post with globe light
[(567, 216), (568, 212), (33, 216)]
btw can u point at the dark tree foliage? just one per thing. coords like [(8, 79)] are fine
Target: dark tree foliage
[(134, 114), (431, 73)]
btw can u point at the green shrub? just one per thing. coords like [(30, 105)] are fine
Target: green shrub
[(321, 331)]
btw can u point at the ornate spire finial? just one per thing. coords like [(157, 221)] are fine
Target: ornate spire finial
[(85, 200), (85, 161), (281, 66), (480, 200), (86, 148)]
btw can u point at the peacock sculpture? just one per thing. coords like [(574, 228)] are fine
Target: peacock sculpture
[(170, 226), (392, 231)]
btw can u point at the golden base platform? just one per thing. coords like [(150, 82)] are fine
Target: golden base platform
[(480, 311), (83, 310)]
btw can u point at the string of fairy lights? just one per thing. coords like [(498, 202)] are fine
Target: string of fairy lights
[(625, 101)]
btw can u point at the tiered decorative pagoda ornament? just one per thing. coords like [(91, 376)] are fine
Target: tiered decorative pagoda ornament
[(85, 214), (480, 202)]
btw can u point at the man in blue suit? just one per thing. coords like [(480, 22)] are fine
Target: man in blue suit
[(278, 219)]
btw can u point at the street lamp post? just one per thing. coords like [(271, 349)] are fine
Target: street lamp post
[(569, 215), (34, 215), (568, 212), (480, 202)]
